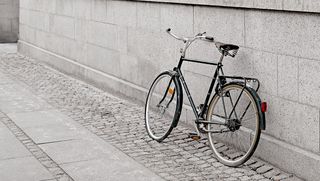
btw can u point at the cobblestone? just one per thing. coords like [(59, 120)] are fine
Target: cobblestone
[(121, 123), (264, 169), (256, 165), (281, 176), (245, 178)]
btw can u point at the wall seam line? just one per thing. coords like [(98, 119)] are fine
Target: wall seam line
[(193, 22), (244, 28), (136, 9), (278, 75), (298, 80)]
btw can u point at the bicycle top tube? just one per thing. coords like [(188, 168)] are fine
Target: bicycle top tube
[(223, 48)]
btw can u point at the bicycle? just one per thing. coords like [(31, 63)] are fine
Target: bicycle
[(232, 119)]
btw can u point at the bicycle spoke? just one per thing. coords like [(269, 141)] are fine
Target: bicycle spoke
[(224, 107), (235, 113), (248, 118), (237, 101), (244, 113)]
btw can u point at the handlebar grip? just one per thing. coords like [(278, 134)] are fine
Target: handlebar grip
[(210, 38), (169, 29)]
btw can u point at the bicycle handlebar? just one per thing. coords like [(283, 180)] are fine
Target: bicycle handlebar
[(175, 36), (190, 39)]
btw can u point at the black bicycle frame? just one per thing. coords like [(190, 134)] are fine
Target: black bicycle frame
[(199, 115), (221, 81)]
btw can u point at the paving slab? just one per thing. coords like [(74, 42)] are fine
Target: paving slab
[(14, 91), (21, 106), (77, 150), (26, 169), (94, 159), (4, 131), (41, 118), (10, 148), (54, 133), (47, 126), (14, 97), (107, 170)]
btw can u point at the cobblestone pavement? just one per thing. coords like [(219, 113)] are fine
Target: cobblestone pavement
[(120, 122)]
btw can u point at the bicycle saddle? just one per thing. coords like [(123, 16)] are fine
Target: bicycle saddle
[(227, 47)]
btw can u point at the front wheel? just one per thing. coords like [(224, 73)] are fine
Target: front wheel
[(163, 106), (234, 129)]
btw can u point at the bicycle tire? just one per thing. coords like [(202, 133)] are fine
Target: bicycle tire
[(159, 128), (230, 152)]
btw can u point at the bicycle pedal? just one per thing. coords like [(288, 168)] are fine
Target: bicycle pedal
[(194, 136)]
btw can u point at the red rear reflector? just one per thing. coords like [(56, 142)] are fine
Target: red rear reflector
[(264, 107)]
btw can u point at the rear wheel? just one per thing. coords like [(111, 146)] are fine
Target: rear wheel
[(163, 106), (235, 133)]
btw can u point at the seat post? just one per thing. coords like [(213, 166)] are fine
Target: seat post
[(222, 56)]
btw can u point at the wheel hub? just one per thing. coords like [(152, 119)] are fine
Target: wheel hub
[(234, 124)]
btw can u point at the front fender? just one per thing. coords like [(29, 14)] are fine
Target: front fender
[(177, 82)]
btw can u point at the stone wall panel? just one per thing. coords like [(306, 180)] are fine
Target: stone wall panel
[(63, 26), (288, 68), (309, 82), (102, 34)]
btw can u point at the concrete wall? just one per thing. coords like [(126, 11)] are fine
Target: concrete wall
[(9, 21), (122, 46)]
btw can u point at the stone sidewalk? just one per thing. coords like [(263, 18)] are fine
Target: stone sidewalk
[(54, 127)]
